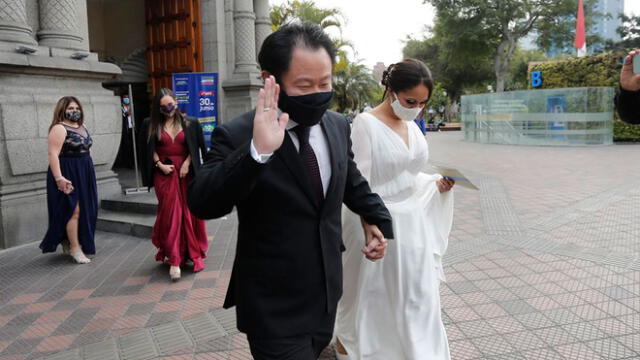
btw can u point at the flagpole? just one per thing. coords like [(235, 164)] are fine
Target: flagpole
[(582, 51)]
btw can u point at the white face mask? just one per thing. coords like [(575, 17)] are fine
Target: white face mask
[(406, 114)]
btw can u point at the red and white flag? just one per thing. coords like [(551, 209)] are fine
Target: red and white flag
[(581, 39)]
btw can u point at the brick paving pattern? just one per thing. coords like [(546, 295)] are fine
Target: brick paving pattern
[(543, 263)]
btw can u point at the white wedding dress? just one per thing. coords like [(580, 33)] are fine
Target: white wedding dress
[(390, 309)]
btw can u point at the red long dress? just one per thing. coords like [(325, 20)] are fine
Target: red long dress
[(177, 233)]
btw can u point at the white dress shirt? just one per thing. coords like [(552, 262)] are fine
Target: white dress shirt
[(318, 142)]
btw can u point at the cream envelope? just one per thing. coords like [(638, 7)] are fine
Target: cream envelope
[(456, 175)]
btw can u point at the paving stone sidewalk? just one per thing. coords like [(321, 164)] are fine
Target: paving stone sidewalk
[(543, 263)]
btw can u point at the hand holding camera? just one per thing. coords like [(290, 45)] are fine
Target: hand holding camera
[(630, 74)]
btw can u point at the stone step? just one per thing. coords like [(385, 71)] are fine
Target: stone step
[(125, 222), (145, 204)]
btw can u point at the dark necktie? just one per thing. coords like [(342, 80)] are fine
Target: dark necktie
[(309, 160)]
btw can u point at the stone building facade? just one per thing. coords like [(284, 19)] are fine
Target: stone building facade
[(52, 48)]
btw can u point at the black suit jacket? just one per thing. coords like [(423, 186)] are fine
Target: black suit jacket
[(628, 104), (195, 143), (287, 273)]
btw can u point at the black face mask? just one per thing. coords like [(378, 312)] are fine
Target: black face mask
[(73, 115), (306, 110), (168, 110)]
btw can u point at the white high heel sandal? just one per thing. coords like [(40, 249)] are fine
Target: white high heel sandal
[(65, 246), (80, 258), (174, 273)]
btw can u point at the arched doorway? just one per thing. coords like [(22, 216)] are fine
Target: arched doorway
[(150, 40)]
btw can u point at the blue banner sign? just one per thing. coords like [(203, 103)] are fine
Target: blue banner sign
[(197, 95), (557, 104)]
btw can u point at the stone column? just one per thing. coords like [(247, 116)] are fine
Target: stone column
[(263, 22), (13, 22), (241, 88), (60, 24), (245, 38)]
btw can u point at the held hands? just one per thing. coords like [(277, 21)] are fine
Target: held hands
[(445, 184), (64, 185), (375, 243), (628, 80), (268, 128)]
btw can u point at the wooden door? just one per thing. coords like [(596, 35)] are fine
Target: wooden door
[(174, 34)]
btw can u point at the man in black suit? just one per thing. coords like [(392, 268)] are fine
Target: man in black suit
[(287, 167), (628, 101)]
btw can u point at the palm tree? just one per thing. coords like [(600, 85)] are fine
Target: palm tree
[(326, 18), (280, 15), (354, 86), (305, 10)]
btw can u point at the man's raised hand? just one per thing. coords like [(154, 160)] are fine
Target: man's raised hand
[(268, 127)]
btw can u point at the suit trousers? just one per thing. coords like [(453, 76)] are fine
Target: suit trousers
[(301, 347)]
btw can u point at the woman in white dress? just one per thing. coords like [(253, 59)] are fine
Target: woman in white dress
[(390, 309)]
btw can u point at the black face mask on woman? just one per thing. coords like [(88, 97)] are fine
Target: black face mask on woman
[(73, 115), (305, 110), (168, 110)]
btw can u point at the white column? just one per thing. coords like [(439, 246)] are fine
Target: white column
[(13, 22), (60, 24), (263, 22)]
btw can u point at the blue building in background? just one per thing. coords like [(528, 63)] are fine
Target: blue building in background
[(606, 26)]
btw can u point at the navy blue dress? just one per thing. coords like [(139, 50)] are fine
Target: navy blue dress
[(76, 165)]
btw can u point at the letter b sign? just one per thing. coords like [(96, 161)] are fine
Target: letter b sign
[(536, 78)]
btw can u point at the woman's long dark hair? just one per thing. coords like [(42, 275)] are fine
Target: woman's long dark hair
[(157, 120), (405, 75)]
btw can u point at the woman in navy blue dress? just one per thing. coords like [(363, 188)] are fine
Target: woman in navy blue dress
[(72, 196)]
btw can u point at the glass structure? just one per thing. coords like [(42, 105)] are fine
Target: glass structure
[(554, 117)]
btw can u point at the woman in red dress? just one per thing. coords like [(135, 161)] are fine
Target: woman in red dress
[(175, 146)]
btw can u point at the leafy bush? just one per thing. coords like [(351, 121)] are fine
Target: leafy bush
[(587, 71), (625, 132)]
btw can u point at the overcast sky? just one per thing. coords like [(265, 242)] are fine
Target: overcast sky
[(377, 28)]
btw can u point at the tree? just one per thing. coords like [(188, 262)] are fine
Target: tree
[(305, 10), (458, 65), (280, 15), (629, 31), (501, 23), (354, 86), (439, 100), (555, 33)]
